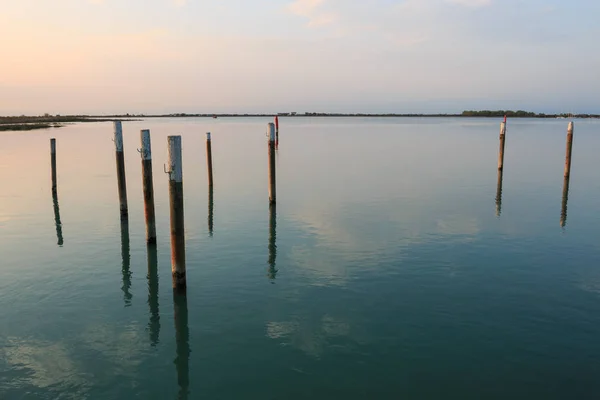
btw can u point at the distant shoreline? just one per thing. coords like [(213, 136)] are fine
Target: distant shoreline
[(26, 123)]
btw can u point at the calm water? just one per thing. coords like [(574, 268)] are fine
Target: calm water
[(389, 270)]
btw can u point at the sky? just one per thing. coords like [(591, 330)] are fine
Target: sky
[(205, 56)]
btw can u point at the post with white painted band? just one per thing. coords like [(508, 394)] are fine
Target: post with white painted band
[(177, 220), (148, 186), (209, 159), (53, 162), (121, 168), (569, 148), (272, 172), (502, 138)]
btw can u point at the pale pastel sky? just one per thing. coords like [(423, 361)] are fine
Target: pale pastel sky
[(163, 56)]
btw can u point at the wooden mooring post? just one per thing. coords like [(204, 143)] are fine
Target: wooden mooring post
[(502, 141), (148, 186), (118, 128), (53, 163), (569, 148), (177, 219), (209, 159), (272, 173)]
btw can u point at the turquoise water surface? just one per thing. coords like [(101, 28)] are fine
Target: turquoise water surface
[(391, 268)]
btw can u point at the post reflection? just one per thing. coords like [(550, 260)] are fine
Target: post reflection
[(565, 199), (154, 324), (57, 222), (272, 272), (126, 260), (499, 194), (183, 344), (211, 208)]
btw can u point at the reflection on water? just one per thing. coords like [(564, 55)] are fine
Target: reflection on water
[(565, 199), (272, 272), (126, 260), (398, 271), (59, 234), (211, 208), (499, 194), (154, 324), (182, 337)]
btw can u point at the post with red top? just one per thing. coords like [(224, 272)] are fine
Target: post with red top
[(272, 174), (569, 148), (276, 131), (502, 136)]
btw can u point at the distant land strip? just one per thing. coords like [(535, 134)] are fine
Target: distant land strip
[(25, 123)]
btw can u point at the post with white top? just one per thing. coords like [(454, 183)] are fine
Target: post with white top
[(53, 162), (502, 138), (272, 173), (148, 186), (209, 159), (177, 220), (569, 148), (121, 168)]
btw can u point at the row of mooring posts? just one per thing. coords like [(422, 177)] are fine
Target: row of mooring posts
[(566, 177), (175, 172), (176, 206)]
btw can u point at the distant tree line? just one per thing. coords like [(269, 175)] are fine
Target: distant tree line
[(499, 113), (522, 114)]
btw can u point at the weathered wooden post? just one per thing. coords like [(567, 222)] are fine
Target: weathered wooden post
[(502, 138), (272, 272), (565, 199), (121, 168), (209, 159), (154, 324), (569, 148), (126, 262), (148, 186), (177, 219), (182, 341), (272, 173), (499, 193), (53, 162), (211, 209)]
